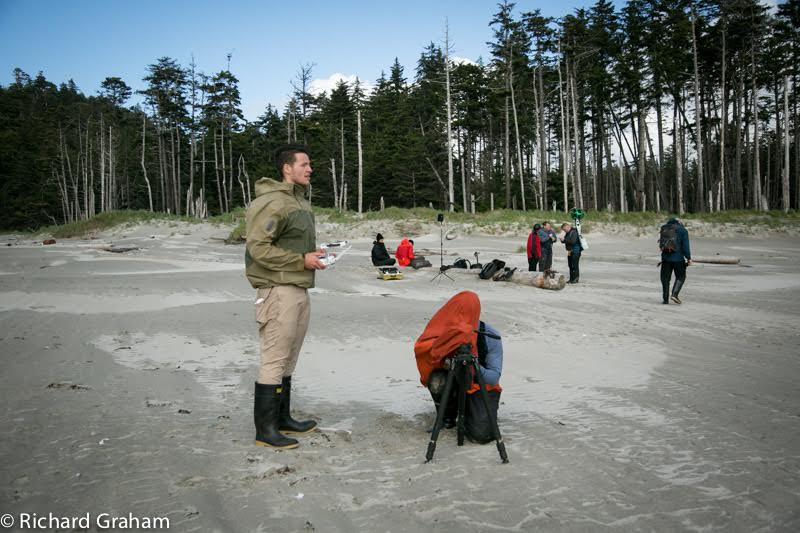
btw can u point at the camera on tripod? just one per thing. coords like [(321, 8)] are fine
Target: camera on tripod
[(462, 356)]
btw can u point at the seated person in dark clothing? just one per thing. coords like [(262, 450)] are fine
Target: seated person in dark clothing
[(456, 323), (380, 257)]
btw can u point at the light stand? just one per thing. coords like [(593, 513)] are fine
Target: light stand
[(442, 269)]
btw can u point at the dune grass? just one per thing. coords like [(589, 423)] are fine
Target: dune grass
[(499, 219), (109, 219)]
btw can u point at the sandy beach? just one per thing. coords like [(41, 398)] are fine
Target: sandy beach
[(127, 388)]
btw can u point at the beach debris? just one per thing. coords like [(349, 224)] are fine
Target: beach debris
[(346, 434), (102, 441), (67, 385), (309, 526), (157, 403), (119, 248), (191, 511), (48, 241), (717, 260), (299, 496), (184, 412)]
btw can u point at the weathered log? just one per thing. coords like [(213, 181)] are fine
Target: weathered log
[(552, 281), (717, 260), (119, 248)]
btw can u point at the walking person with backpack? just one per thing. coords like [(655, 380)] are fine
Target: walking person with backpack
[(572, 243), (675, 257)]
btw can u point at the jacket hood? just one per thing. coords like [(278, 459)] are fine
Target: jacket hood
[(673, 220), (265, 185), (452, 325)]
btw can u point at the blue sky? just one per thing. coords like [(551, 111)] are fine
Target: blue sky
[(269, 40)]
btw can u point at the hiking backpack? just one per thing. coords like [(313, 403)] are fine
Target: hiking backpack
[(462, 263), (490, 269), (668, 238)]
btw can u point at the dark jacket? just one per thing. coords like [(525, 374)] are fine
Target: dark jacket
[(546, 240), (682, 251), (572, 241), (379, 252)]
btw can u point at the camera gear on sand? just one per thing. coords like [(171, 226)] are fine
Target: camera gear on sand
[(461, 367)]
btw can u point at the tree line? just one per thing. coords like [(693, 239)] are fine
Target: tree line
[(675, 105)]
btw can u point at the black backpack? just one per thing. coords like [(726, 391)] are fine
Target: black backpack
[(490, 269), (668, 238), (420, 262), (461, 263)]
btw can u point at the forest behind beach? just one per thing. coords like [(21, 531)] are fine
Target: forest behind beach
[(656, 105)]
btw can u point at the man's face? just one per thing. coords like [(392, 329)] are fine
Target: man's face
[(567, 227), (547, 226), (298, 172)]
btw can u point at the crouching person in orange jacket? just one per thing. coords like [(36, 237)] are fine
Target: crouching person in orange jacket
[(405, 252), (456, 323)]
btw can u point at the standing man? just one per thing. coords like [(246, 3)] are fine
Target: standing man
[(547, 237), (280, 261), (572, 243), (675, 257)]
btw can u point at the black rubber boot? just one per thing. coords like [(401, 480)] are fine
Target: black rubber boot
[(266, 411), (676, 289), (286, 423)]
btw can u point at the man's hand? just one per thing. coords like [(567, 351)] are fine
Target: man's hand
[(312, 262), (689, 263)]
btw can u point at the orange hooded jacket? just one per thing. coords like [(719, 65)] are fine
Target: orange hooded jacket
[(404, 253), (454, 324)]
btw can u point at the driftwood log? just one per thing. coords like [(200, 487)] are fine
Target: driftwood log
[(717, 260), (552, 281), (119, 248)]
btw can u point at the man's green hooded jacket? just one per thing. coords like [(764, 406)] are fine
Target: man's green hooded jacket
[(280, 231)]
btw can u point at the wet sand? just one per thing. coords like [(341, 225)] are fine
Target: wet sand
[(127, 388)]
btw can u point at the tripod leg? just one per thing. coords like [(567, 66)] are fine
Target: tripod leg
[(437, 426), (463, 372), (501, 447)]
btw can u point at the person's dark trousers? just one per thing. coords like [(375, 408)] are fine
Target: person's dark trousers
[(573, 259), (532, 264), (385, 262), (667, 268), (546, 261)]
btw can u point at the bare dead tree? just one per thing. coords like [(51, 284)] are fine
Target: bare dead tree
[(450, 186), (360, 165), (144, 167)]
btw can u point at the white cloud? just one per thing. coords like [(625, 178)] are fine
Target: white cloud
[(328, 84), (462, 61)]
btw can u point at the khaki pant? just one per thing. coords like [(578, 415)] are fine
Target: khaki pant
[(282, 313)]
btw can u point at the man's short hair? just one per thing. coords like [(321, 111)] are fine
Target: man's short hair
[(285, 155), (565, 224)]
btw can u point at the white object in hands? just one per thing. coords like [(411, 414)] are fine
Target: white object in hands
[(334, 250)]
